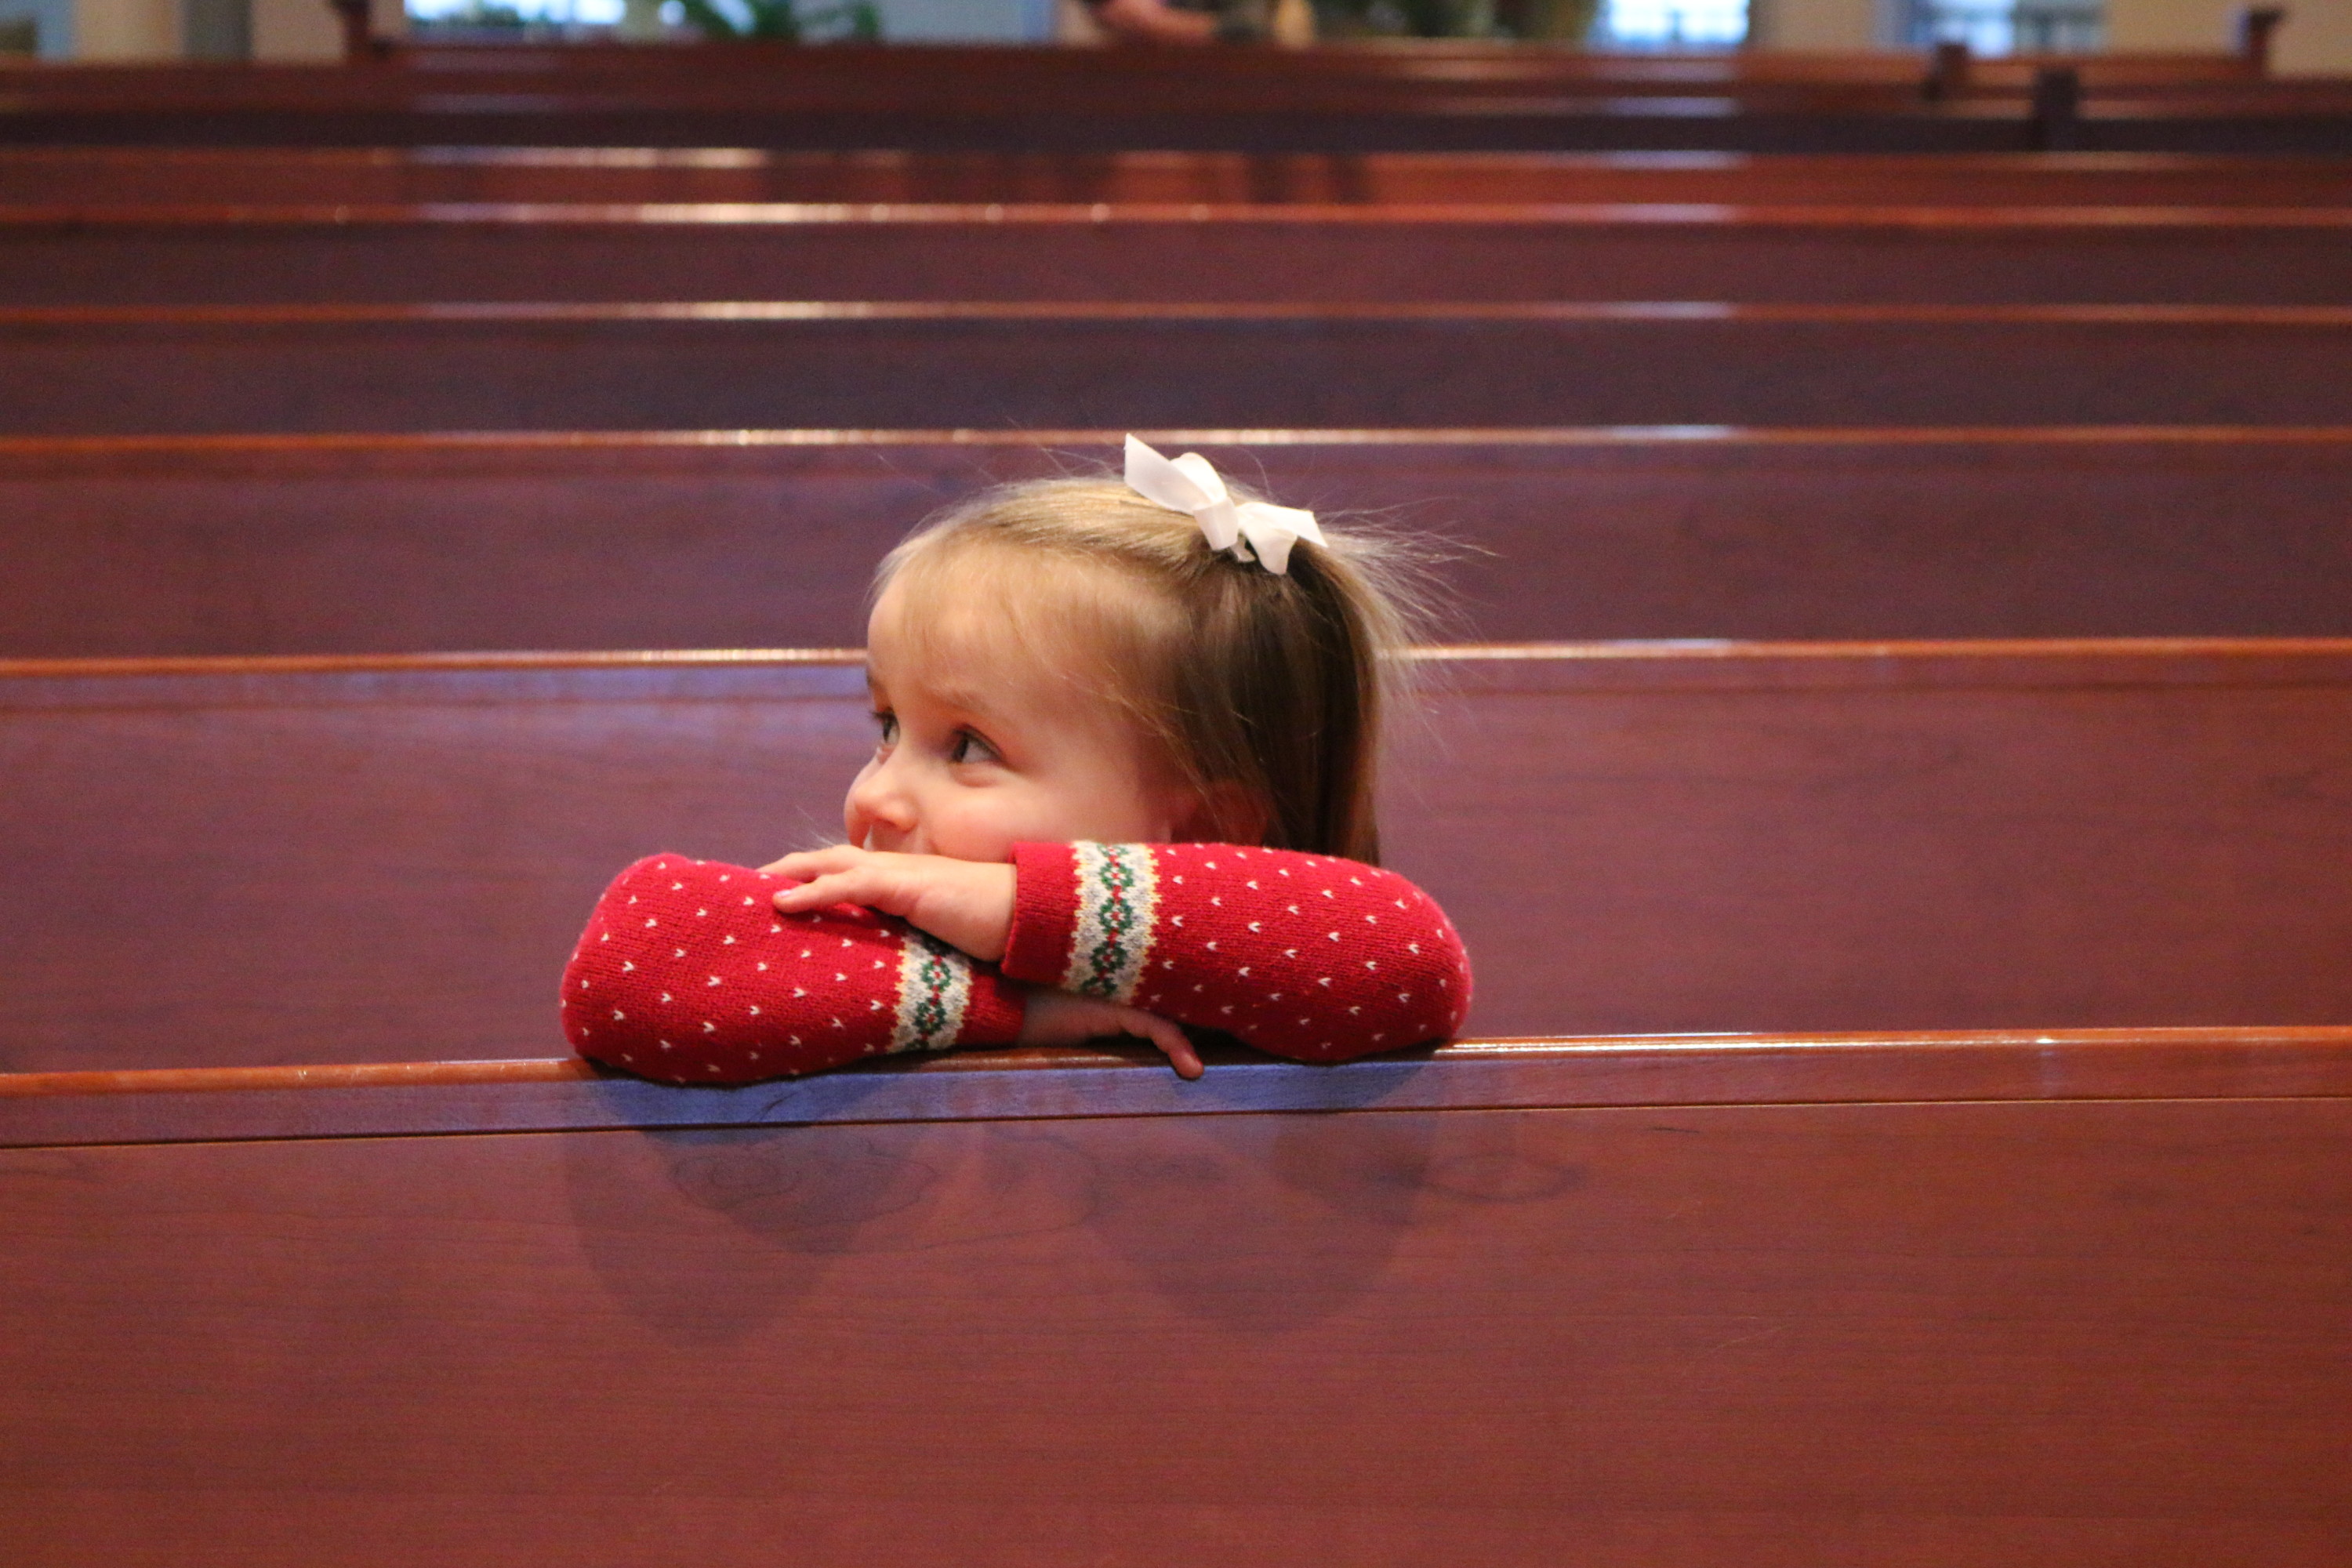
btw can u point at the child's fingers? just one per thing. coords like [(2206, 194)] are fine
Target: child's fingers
[(1058, 1018), (1164, 1033), (857, 884), (809, 864)]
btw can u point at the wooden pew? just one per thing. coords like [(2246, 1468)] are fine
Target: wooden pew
[(267, 862), (134, 547), (2271, 117), (1460, 71), (1461, 64), (1052, 100), (1457, 70), (89, 177), (191, 369), (992, 99), (1927, 1300), (420, 254)]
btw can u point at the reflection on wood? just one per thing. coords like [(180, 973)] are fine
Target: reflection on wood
[(1112, 1078), (93, 177), (1927, 1333)]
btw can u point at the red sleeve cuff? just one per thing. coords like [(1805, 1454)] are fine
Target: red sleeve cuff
[(1044, 913), (994, 1010)]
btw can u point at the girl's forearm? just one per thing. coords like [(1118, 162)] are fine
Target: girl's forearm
[(687, 972), (1306, 957)]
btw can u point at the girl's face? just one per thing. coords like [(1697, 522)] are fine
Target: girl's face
[(982, 748)]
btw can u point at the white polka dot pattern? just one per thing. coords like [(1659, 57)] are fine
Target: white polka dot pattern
[(1306, 957), (688, 973)]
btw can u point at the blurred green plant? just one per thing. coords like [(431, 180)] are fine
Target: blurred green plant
[(783, 19)]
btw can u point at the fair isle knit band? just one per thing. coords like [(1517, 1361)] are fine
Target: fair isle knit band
[(1118, 890), (934, 986)]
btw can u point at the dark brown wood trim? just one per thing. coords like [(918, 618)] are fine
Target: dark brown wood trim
[(2303, 317), (55, 1109), (432, 663), (427, 446), (1713, 216), (1694, 665), (2055, 166)]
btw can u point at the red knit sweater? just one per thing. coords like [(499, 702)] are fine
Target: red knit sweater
[(687, 972)]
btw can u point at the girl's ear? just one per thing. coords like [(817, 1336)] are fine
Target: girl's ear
[(1225, 812)]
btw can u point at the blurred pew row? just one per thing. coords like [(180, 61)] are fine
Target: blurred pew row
[(1343, 99), (83, 178)]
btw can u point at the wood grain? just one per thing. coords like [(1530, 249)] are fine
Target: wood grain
[(93, 177), (168, 1105), (1084, 101), (1915, 1335), (342, 253), (388, 861), (981, 106), (1020, 366), (327, 546)]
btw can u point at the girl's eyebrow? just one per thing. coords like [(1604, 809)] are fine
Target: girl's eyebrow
[(963, 699)]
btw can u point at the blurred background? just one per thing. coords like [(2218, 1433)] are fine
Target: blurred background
[(2319, 40)]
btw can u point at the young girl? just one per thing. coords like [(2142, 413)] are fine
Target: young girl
[(1124, 786)]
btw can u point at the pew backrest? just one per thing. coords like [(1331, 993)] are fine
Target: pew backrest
[(749, 539), (1700, 1303), (1172, 254), (88, 177), (382, 858), (1043, 365)]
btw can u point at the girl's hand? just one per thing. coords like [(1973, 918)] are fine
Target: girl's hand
[(1058, 1018), (967, 904)]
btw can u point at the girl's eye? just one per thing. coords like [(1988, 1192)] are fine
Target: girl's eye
[(971, 748), (889, 723)]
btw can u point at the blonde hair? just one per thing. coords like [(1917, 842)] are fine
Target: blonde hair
[(1277, 686)]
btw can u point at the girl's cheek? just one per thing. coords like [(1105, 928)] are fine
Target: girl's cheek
[(979, 826)]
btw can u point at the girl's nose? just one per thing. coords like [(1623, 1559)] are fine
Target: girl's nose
[(878, 806)]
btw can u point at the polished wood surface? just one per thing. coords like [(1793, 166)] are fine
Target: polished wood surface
[(87, 178), (2316, 128), (320, 1250), (964, 100), (336, 254), (547, 1094), (361, 860), (1397, 71), (1048, 366), (1050, 100), (1464, 63), (1004, 98), (316, 544), (1740, 1334)]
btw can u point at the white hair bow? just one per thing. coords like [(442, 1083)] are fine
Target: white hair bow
[(1250, 529)]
